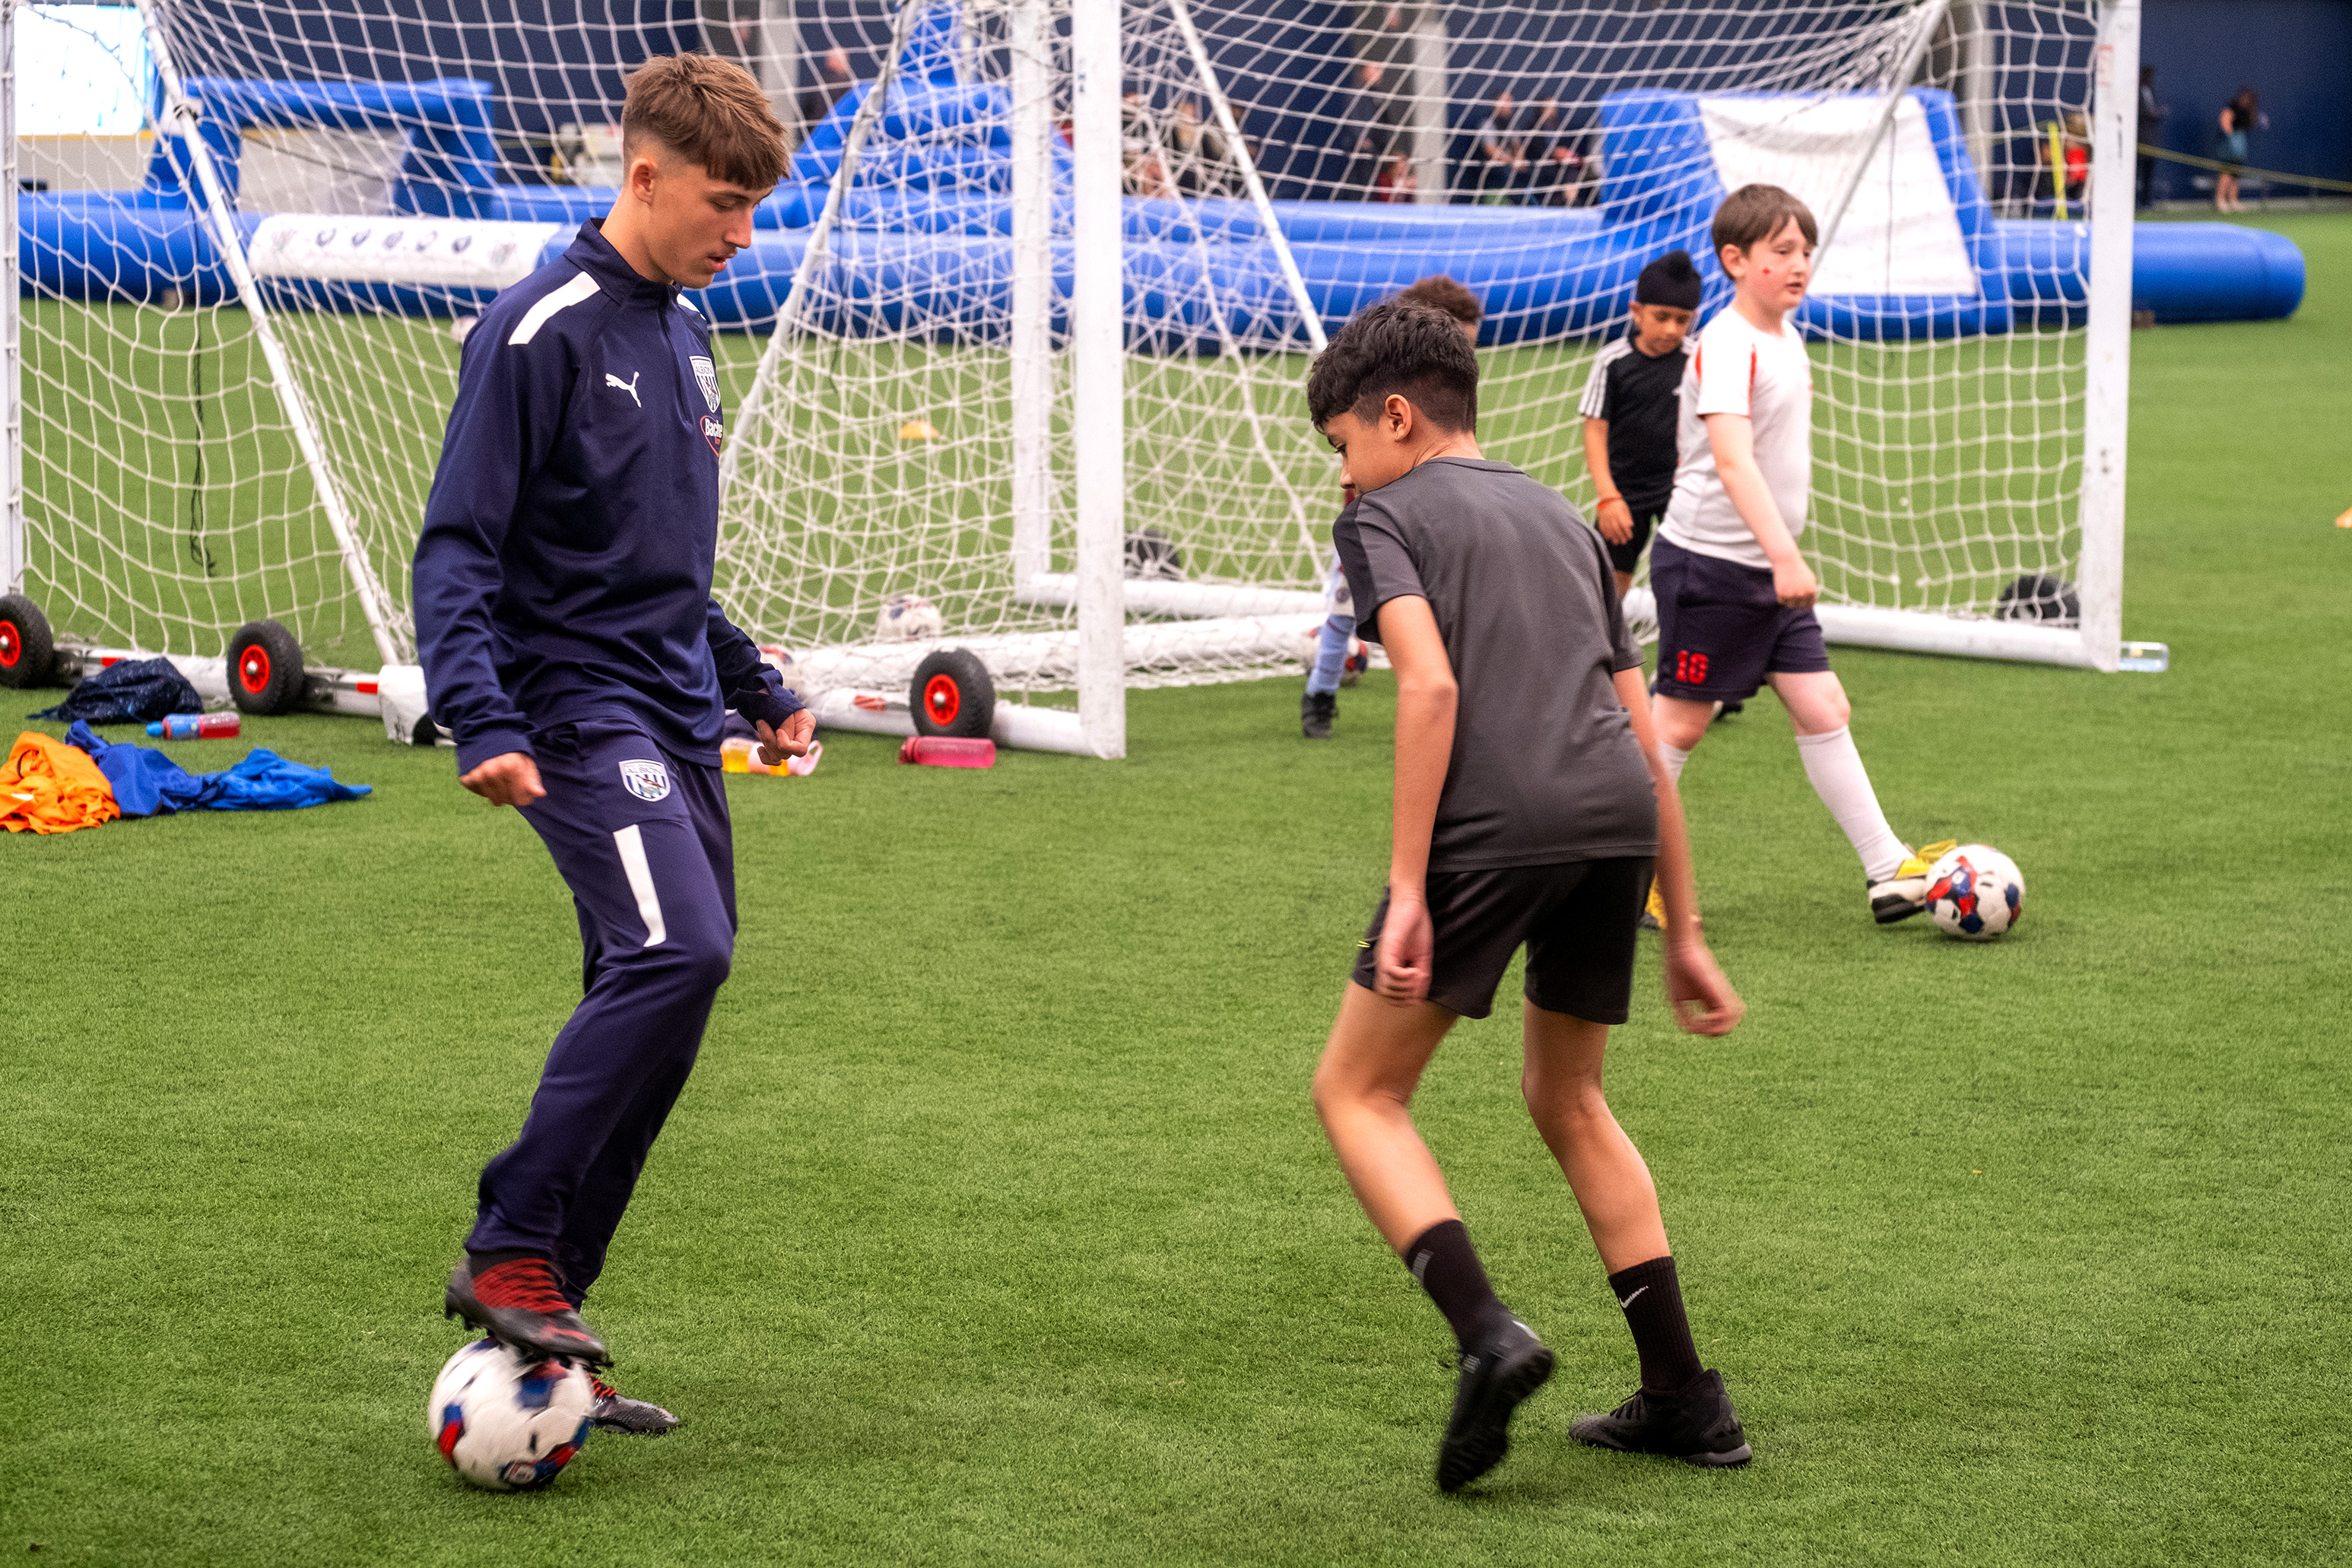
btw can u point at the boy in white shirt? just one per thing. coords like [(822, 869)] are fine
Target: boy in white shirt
[(1735, 598)]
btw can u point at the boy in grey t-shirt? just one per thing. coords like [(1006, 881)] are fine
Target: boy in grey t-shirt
[(1530, 805)]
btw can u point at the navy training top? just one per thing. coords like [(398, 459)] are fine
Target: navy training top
[(563, 571)]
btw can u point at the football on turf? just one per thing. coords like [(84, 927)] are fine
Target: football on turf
[(908, 617), (1359, 659), (507, 1423), (1976, 892)]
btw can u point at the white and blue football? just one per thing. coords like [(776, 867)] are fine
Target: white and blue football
[(505, 1422), (908, 617), (1975, 892)]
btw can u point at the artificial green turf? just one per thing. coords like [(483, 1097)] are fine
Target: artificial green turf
[(996, 1225)]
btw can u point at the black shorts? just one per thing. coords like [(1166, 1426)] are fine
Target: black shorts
[(1721, 630), (1577, 920), (1627, 556)]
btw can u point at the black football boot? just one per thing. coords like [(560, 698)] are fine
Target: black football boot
[(1497, 1373), (1695, 1425), (616, 1412), (520, 1303)]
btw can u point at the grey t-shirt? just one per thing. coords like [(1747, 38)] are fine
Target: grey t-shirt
[(1545, 766)]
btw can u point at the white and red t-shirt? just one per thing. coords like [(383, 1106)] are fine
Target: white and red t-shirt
[(1738, 369)]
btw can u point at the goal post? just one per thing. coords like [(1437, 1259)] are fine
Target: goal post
[(1023, 334)]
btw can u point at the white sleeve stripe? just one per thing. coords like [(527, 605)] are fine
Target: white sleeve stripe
[(631, 841), (572, 293), (1596, 390)]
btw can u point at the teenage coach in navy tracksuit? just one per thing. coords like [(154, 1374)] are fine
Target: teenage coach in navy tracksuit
[(570, 643)]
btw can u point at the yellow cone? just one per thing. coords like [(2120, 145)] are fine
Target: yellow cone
[(918, 431)]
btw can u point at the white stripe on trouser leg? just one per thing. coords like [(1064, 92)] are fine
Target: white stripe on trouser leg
[(632, 844)]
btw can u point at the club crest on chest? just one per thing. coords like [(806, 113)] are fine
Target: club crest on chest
[(706, 377), (646, 780)]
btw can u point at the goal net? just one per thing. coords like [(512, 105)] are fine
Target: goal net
[(1024, 332)]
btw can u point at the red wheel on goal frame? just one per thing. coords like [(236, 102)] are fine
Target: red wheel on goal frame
[(27, 652), (952, 694), (265, 669)]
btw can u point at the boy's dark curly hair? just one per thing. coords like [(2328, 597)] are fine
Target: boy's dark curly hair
[(1441, 292), (1397, 347)]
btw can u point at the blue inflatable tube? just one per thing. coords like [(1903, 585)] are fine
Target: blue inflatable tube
[(933, 244)]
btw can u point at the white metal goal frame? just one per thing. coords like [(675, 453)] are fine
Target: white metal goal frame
[(1097, 657)]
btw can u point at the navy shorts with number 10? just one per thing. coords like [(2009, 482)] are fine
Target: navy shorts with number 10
[(1721, 629)]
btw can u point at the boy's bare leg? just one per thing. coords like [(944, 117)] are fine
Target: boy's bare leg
[(1370, 1066), (1815, 699), (1562, 1080), (1624, 581), (1679, 725)]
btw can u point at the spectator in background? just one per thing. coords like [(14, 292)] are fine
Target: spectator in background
[(1377, 118), (1196, 156), (1142, 161), (2077, 155), (832, 79), (1500, 152), (1396, 183), (1555, 167), (2144, 134), (2238, 118)]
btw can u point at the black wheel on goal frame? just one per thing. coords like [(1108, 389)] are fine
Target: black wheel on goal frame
[(265, 669), (27, 651), (952, 694)]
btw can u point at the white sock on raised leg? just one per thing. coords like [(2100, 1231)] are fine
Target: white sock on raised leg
[(1839, 778), (1674, 757)]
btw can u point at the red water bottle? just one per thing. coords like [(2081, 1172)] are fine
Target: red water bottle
[(948, 751), (194, 726)]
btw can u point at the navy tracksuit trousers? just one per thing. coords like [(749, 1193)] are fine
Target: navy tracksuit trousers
[(643, 839)]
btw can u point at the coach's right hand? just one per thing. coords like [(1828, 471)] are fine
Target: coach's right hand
[(511, 778)]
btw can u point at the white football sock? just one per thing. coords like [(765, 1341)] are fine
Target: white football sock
[(1839, 779), (1674, 757)]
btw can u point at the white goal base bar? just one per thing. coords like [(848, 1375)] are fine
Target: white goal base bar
[(1912, 631), (1151, 596)]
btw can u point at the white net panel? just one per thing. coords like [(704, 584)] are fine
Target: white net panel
[(1539, 153)]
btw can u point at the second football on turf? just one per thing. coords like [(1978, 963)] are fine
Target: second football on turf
[(1975, 892), (908, 617), (508, 1421)]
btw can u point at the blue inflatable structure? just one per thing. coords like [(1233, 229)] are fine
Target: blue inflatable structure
[(924, 241)]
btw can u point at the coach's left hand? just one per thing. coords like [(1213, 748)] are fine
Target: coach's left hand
[(790, 740)]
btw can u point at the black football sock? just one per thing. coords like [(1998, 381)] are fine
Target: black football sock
[(1442, 1258), (1653, 1300)]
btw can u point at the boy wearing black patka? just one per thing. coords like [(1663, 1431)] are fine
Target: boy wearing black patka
[(1530, 807), (1633, 411)]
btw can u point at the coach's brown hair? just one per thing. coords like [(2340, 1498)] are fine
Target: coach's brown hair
[(708, 111), (1755, 213), (1440, 292)]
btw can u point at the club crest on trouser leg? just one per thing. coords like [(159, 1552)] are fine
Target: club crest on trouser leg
[(647, 781), (706, 377)]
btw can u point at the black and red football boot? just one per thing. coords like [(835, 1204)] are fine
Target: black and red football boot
[(617, 1411), (520, 1303)]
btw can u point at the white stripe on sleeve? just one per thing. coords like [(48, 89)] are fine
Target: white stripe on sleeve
[(572, 293), (631, 842), (1596, 390)]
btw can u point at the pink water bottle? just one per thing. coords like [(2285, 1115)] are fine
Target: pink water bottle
[(194, 726), (948, 751)]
